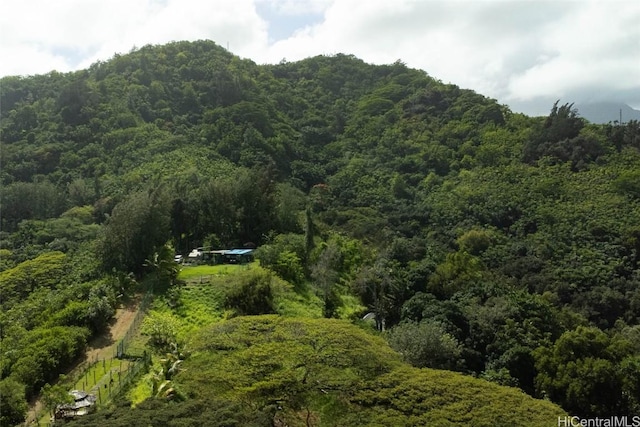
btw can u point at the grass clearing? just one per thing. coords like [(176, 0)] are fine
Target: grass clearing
[(191, 273), (99, 370), (289, 303), (200, 304)]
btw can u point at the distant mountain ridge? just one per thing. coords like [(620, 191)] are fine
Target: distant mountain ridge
[(605, 112)]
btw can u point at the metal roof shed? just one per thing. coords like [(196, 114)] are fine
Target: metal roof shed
[(238, 256)]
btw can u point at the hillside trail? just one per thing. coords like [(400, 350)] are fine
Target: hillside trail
[(101, 347)]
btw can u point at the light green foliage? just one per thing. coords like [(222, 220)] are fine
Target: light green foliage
[(46, 270), (339, 373), (44, 352), (474, 241), (162, 329), (289, 267), (285, 256), (207, 271), (202, 302), (5, 260), (271, 358), (411, 397), (628, 183)]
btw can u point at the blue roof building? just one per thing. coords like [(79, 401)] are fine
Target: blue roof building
[(238, 256)]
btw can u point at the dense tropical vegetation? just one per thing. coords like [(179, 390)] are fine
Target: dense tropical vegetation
[(500, 246)]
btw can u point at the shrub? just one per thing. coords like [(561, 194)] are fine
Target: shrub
[(252, 294)]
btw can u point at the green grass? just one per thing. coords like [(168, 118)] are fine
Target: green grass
[(194, 272), (200, 305), (289, 303), (201, 299), (143, 389), (98, 371)]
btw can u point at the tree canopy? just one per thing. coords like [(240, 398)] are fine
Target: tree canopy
[(478, 240)]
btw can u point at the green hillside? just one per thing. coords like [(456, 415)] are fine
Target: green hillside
[(294, 371), (487, 245)]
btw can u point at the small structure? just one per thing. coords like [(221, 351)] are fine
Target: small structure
[(238, 256), (220, 256), (195, 256), (84, 403), (215, 257)]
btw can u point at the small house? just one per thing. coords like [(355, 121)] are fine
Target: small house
[(83, 404), (238, 256)]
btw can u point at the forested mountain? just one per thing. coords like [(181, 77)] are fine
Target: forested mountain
[(486, 242)]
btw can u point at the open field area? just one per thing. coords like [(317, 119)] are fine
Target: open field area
[(199, 273)]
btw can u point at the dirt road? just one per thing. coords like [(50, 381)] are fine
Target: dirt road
[(101, 347)]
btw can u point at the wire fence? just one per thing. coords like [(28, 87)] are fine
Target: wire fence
[(107, 378), (123, 346), (118, 379)]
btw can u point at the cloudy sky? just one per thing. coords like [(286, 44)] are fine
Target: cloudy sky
[(524, 53)]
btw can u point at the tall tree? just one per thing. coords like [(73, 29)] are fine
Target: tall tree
[(138, 226)]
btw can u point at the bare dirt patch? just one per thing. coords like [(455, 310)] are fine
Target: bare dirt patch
[(104, 345), (101, 347)]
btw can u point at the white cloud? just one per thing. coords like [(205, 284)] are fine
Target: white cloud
[(597, 45), (92, 30), (512, 50), (297, 7)]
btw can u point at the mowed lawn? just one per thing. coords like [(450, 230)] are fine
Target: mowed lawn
[(194, 272)]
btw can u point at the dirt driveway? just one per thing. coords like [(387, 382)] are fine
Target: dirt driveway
[(101, 347)]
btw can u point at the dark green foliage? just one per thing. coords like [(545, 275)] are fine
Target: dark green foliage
[(560, 138), (93, 314), (13, 406), (138, 226), (252, 294), (589, 373), (27, 200), (374, 181), (44, 352)]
